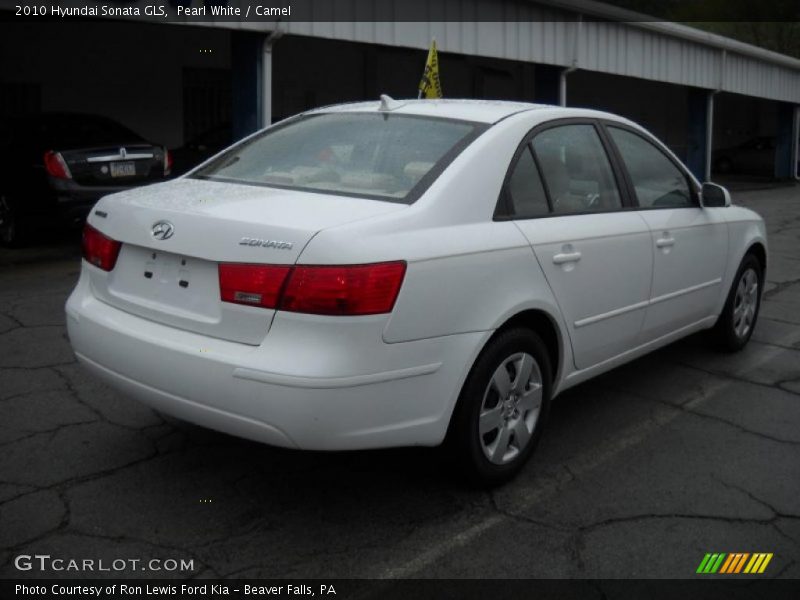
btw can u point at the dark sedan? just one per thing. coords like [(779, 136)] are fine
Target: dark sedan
[(55, 166), (755, 156)]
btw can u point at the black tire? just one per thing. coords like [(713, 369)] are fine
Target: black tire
[(467, 446), (10, 231), (730, 333)]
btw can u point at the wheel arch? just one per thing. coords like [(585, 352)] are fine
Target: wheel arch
[(546, 326), (758, 250)]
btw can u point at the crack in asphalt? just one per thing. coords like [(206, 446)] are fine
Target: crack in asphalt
[(776, 513), (736, 377), (691, 411), (48, 432), (13, 319), (779, 287)]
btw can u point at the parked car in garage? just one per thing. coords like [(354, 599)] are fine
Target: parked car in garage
[(410, 273), (55, 166), (755, 156)]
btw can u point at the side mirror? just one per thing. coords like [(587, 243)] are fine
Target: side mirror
[(713, 195)]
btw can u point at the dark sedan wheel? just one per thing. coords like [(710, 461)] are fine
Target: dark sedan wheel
[(738, 318), (502, 407), (9, 226)]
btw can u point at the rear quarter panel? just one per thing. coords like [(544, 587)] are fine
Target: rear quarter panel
[(466, 272)]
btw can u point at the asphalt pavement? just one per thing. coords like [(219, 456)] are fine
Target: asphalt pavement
[(639, 474)]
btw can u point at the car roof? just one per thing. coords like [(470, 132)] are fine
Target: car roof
[(482, 111)]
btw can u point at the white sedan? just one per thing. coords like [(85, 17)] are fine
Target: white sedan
[(401, 273)]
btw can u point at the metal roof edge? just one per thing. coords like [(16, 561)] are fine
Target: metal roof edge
[(692, 34)]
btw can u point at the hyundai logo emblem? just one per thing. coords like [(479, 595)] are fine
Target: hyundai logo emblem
[(163, 230)]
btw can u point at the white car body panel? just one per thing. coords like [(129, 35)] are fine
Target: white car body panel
[(612, 257), (690, 248), (330, 382)]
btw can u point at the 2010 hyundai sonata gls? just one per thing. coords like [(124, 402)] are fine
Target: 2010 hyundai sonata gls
[(405, 273)]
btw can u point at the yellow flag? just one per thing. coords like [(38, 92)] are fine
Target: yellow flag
[(429, 86)]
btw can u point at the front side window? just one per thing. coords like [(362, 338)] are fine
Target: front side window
[(657, 181), (576, 170), (374, 155)]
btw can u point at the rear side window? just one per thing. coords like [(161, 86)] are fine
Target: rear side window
[(525, 189), (374, 155), (656, 179), (576, 170)]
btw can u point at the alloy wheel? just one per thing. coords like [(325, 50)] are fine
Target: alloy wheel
[(510, 408), (745, 303)]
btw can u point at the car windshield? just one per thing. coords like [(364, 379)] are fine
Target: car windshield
[(372, 155)]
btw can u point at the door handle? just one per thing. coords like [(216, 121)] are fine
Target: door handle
[(665, 242), (566, 257)]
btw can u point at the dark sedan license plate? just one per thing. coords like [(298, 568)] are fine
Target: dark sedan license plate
[(123, 169)]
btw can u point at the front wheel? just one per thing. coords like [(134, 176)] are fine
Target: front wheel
[(738, 319), (502, 407)]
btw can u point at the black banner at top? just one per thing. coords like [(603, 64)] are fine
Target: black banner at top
[(190, 11)]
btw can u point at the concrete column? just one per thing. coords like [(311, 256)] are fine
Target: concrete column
[(700, 129), (266, 77), (786, 142), (246, 53)]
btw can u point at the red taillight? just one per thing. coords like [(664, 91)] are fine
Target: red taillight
[(55, 165), (344, 290), (255, 285), (100, 250), (347, 290), (167, 162)]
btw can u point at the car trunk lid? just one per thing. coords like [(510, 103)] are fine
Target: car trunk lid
[(117, 165), (174, 236)]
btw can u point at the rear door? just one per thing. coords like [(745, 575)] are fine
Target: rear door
[(689, 242), (596, 256)]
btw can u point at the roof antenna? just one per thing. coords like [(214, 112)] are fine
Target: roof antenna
[(389, 104)]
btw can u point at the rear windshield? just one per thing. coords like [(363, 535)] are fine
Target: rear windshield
[(372, 155)]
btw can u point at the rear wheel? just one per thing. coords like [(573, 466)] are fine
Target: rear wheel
[(502, 407), (738, 319)]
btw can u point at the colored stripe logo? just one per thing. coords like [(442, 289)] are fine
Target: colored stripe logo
[(734, 563)]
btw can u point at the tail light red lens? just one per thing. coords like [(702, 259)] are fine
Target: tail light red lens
[(344, 290), (100, 250), (56, 166), (254, 285), (347, 290), (167, 162)]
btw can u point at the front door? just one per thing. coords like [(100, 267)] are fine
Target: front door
[(689, 242)]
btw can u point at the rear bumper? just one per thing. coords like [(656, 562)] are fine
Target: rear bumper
[(316, 383)]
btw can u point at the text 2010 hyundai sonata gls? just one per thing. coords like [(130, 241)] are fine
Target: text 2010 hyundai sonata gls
[(405, 273)]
